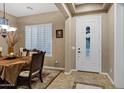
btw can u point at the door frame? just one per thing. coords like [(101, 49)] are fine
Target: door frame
[(100, 19), (118, 45)]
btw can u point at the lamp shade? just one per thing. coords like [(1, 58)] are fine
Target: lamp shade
[(4, 23), (4, 26)]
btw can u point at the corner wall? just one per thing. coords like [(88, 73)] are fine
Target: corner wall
[(110, 32)]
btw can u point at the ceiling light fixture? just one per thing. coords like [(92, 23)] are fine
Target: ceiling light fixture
[(4, 27)]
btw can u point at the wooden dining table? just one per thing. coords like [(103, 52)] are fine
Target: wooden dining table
[(10, 68)]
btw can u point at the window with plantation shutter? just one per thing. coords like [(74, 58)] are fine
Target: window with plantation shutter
[(39, 37)]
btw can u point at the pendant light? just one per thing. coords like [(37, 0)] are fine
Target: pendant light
[(4, 21), (4, 27)]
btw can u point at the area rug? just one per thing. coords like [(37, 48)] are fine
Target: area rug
[(48, 76), (84, 86), (93, 79)]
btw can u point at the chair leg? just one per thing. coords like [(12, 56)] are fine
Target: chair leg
[(17, 82), (29, 84), (41, 79), (16, 85), (40, 75)]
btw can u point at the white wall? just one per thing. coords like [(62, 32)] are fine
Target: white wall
[(119, 46)]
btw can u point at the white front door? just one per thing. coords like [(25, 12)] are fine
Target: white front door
[(88, 43)]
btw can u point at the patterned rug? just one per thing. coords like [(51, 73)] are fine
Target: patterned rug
[(92, 79), (48, 76), (84, 86)]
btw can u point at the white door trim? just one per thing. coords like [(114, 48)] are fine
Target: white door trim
[(115, 43), (100, 43), (118, 45), (100, 18)]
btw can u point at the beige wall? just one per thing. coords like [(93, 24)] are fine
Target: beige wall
[(110, 26), (69, 41), (62, 48), (12, 22), (58, 45), (105, 59)]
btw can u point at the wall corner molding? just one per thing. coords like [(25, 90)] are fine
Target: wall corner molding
[(104, 73)]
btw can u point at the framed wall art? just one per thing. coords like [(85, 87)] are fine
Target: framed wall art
[(59, 33)]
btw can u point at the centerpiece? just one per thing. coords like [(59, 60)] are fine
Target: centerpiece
[(11, 40)]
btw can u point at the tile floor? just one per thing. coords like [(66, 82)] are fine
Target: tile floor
[(81, 80)]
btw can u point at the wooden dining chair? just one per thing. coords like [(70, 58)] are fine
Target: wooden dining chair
[(34, 51), (24, 52), (35, 69)]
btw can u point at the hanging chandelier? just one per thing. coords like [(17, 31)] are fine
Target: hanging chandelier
[(4, 26)]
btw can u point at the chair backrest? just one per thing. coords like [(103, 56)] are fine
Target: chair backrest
[(31, 53), (26, 51), (35, 50), (36, 62), (42, 53)]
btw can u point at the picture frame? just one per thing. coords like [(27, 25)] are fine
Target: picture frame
[(59, 33)]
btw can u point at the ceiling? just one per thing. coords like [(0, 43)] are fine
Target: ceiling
[(76, 9), (26, 9)]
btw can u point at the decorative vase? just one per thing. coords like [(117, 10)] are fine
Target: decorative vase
[(10, 50)]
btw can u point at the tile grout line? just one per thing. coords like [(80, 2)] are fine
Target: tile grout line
[(53, 79)]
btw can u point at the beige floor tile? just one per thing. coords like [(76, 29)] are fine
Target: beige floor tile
[(83, 79), (62, 82)]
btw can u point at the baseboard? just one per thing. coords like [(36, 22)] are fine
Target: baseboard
[(56, 68), (108, 77), (68, 73), (74, 70)]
